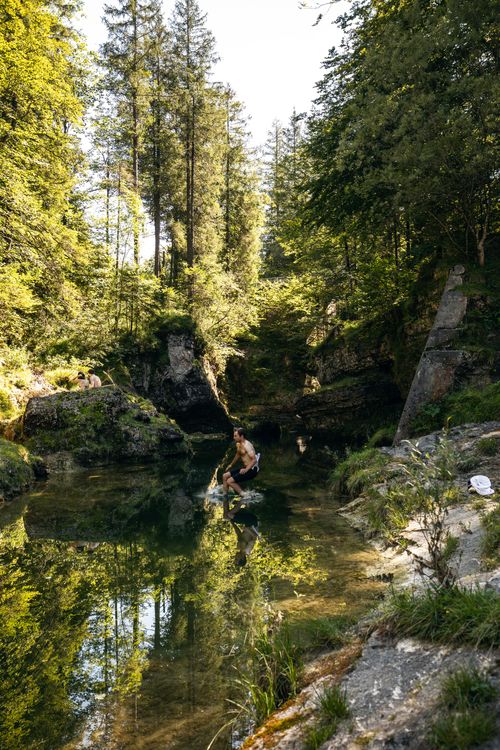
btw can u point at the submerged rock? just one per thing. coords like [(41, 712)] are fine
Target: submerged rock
[(99, 426), (18, 469)]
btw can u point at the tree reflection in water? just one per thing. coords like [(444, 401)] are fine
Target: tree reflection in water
[(136, 639)]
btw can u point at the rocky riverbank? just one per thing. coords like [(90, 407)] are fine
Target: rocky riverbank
[(392, 684)]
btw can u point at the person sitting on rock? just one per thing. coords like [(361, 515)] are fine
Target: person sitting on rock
[(83, 383), (94, 380), (232, 479)]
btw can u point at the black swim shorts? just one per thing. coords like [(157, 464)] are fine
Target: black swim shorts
[(250, 474)]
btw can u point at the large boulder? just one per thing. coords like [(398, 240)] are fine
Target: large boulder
[(18, 469), (174, 375), (99, 426)]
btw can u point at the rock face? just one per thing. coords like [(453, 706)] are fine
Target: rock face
[(99, 426), (178, 382), (440, 366), (18, 469), (350, 406)]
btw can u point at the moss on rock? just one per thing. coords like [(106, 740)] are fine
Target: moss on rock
[(100, 426), (18, 469)]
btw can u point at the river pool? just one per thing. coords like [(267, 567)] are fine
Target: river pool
[(125, 623)]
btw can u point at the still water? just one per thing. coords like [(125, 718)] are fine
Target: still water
[(125, 623)]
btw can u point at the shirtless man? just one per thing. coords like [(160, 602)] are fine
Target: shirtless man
[(246, 453)]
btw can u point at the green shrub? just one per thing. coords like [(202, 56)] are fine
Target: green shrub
[(383, 436), (274, 674), (6, 405), (317, 736), (447, 615), (490, 545), (469, 405)]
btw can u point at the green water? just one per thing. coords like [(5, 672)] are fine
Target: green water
[(125, 622)]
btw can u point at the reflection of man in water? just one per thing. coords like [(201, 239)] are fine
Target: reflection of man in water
[(246, 536), (246, 453)]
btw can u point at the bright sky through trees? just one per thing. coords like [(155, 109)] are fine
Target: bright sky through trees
[(271, 52)]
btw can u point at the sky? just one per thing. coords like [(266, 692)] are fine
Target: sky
[(271, 52)]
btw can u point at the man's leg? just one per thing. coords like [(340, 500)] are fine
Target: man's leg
[(236, 487), (225, 477)]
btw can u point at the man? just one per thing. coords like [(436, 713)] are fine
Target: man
[(245, 452), (94, 380)]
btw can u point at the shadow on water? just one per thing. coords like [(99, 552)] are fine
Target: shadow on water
[(125, 620)]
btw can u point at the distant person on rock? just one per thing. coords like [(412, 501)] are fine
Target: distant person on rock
[(245, 452), (94, 380), (83, 383)]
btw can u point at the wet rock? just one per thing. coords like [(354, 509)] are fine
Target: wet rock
[(99, 426), (18, 469)]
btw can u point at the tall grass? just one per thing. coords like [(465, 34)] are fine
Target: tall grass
[(273, 676), (447, 615), (358, 471), (490, 545)]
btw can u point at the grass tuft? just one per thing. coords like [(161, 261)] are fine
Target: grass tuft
[(447, 615), (490, 546), (467, 688), (459, 731), (358, 471), (333, 705)]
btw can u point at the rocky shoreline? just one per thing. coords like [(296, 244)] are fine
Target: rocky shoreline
[(392, 683)]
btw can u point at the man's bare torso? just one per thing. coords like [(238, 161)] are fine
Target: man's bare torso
[(246, 452)]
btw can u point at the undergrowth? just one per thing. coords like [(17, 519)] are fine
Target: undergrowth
[(468, 405)]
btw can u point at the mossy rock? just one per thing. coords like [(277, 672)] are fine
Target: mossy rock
[(18, 469), (99, 426)]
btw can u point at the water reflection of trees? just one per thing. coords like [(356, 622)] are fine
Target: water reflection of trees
[(142, 636)]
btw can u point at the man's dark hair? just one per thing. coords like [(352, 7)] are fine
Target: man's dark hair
[(91, 372), (80, 375), (241, 431)]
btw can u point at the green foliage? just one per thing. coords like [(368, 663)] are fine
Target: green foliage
[(16, 469), (490, 544), (447, 615), (487, 446), (317, 736), (468, 405), (319, 633), (332, 706), (423, 491), (359, 471), (382, 437)]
